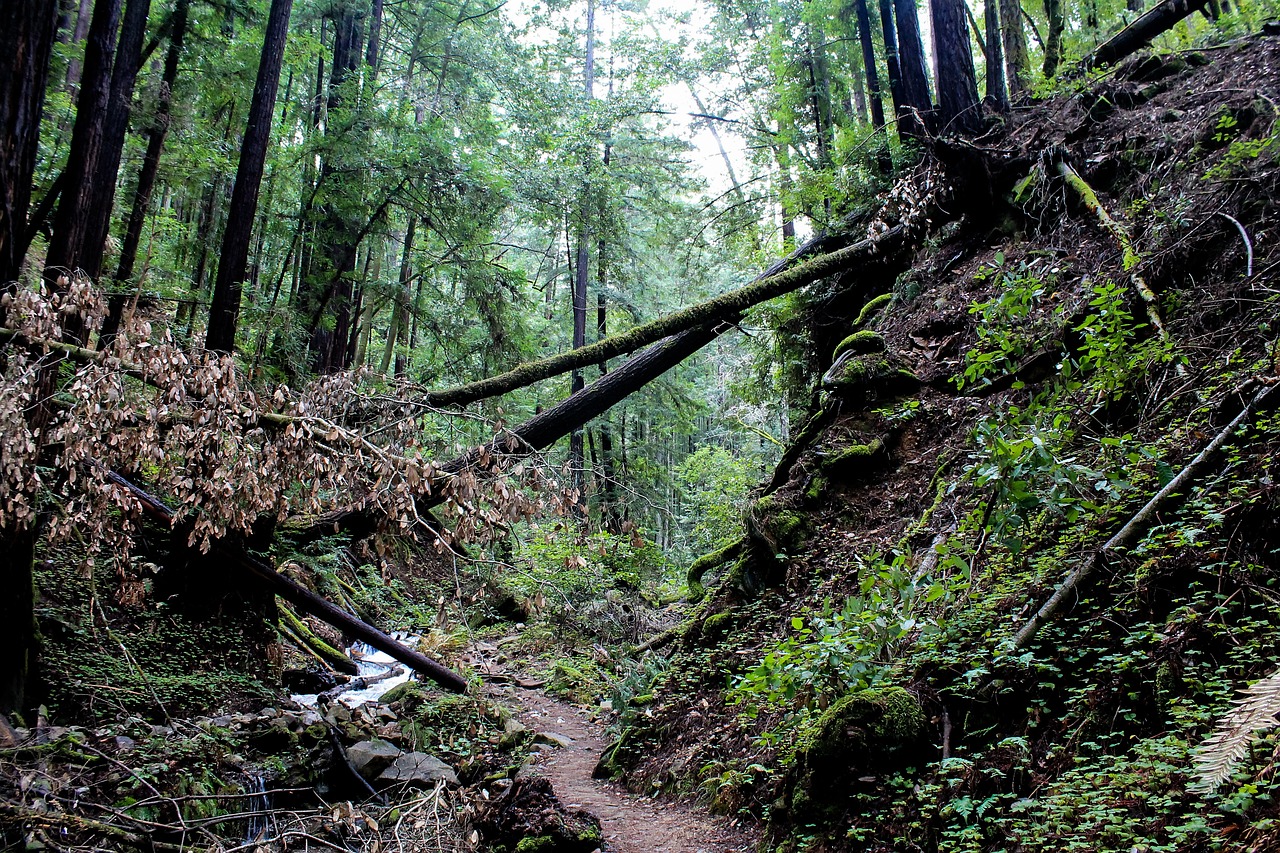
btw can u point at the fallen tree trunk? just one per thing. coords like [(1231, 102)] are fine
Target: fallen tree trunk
[(542, 430), (307, 601), (1137, 35), (1143, 520), (783, 277)]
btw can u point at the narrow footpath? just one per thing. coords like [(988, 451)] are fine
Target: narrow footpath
[(631, 823)]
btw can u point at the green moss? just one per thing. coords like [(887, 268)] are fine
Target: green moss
[(871, 309), (856, 455), (817, 487), (855, 735), (860, 343), (535, 844), (716, 626), (861, 371), (707, 562)]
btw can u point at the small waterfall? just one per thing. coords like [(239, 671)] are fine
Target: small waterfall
[(259, 802)]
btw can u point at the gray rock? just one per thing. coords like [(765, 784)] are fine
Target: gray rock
[(514, 733), (124, 744), (417, 768), (553, 739), (371, 757)]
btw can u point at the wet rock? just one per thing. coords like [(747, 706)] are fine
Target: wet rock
[(123, 743), (307, 681), (417, 768), (371, 757)]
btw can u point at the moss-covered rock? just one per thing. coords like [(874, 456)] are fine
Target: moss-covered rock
[(856, 736)]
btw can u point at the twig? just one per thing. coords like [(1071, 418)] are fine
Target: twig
[(1248, 244)]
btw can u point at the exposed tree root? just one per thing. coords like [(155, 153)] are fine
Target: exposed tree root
[(707, 562)]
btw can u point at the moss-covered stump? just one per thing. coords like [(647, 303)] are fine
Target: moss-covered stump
[(529, 819), (860, 343), (857, 736), (707, 562), (869, 376)]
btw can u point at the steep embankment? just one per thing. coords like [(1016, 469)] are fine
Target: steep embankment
[(1028, 386)]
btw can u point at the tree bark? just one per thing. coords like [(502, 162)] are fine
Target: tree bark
[(869, 63), (911, 62), (1053, 37), (582, 264), (26, 43), (74, 231), (224, 311), (1015, 46), (997, 93), (957, 82)]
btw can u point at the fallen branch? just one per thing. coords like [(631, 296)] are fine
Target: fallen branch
[(307, 601), (333, 658), (1248, 244), (1137, 35), (64, 821), (1130, 260), (1138, 525), (361, 683)]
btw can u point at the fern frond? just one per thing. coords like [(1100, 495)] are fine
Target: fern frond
[(1256, 710)]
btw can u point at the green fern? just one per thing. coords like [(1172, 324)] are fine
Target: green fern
[(1255, 711)]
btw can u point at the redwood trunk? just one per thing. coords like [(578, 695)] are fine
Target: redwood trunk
[(224, 311)]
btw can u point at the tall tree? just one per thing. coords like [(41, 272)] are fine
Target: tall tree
[(75, 228), (957, 82), (224, 311), (146, 177), (911, 63), (1015, 46), (26, 42), (997, 94), (582, 263), (1053, 13), (869, 63)]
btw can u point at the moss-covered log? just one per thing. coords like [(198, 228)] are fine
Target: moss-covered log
[(331, 656), (707, 562), (1137, 35), (780, 279)]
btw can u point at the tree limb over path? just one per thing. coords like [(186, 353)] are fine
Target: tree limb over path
[(783, 277)]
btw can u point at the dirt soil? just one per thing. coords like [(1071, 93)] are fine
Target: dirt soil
[(631, 823)]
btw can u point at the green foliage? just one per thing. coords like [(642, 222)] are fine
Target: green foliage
[(1014, 323), (715, 484), (843, 648)]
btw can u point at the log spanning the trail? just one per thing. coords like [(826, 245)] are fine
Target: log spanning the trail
[(785, 276), (307, 601), (686, 332), (1137, 35)]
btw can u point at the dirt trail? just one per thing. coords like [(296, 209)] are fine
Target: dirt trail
[(631, 824)]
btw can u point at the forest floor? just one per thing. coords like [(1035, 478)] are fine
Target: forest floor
[(631, 823)]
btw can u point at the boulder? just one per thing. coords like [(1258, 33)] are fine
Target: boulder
[(417, 768), (371, 757)]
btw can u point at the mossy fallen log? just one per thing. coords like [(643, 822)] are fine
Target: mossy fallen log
[(1137, 35), (708, 562), (334, 658)]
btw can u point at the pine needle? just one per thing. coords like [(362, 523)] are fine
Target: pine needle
[(1256, 710)]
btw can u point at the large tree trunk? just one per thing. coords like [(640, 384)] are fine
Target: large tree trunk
[(582, 264), (1015, 46), (957, 83), (997, 93), (224, 311), (911, 62), (1139, 34), (869, 63), (74, 229), (1053, 38), (26, 44), (146, 180)]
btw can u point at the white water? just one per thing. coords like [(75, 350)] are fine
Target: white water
[(370, 662)]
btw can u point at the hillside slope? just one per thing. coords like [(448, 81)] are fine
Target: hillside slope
[(853, 681)]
